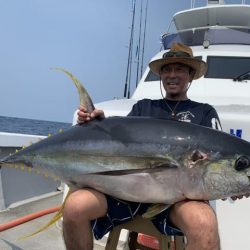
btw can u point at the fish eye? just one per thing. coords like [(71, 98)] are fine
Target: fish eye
[(242, 163)]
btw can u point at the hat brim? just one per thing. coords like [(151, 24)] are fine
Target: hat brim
[(198, 65)]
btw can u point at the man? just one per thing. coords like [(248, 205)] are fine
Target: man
[(88, 209)]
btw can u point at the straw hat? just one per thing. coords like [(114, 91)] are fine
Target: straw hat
[(179, 53)]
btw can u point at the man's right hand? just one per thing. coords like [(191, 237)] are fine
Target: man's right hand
[(84, 116)]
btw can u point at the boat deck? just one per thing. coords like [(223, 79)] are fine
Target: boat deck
[(50, 239)]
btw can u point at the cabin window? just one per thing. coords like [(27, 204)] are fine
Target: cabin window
[(228, 67), (151, 76)]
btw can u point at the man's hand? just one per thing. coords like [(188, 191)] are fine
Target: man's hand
[(84, 116)]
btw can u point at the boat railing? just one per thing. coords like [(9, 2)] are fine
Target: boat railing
[(214, 2)]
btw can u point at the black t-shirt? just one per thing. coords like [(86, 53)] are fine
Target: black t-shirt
[(186, 111)]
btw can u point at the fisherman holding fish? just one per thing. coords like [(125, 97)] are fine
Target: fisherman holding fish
[(88, 211)]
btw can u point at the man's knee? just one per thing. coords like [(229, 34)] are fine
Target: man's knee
[(205, 220), (204, 229), (84, 204), (198, 222), (194, 217)]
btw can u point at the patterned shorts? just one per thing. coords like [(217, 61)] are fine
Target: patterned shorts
[(120, 211)]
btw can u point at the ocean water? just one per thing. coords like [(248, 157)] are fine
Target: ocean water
[(30, 126)]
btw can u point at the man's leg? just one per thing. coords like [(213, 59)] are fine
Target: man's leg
[(198, 222), (81, 207)]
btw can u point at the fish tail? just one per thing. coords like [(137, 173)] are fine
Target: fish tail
[(53, 220), (85, 100)]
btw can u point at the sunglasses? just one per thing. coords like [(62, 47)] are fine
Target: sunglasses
[(175, 54)]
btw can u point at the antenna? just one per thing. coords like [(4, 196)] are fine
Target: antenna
[(192, 4)]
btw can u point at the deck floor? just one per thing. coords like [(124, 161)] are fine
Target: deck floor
[(50, 239)]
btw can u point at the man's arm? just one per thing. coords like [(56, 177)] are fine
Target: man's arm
[(211, 118)]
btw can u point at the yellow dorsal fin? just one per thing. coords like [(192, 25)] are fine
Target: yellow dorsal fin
[(85, 100)]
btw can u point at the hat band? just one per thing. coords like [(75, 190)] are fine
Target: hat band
[(175, 54)]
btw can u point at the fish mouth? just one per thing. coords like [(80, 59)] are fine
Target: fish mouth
[(4, 160)]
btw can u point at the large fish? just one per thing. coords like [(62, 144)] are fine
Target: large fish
[(143, 159)]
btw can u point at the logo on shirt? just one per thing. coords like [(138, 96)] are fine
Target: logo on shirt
[(185, 116), (216, 124)]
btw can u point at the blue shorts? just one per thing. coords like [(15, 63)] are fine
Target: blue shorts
[(120, 211)]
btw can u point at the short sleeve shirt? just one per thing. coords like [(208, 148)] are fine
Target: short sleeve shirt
[(186, 111)]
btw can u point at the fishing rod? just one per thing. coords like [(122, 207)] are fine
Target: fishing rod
[(128, 74), (139, 49), (144, 36)]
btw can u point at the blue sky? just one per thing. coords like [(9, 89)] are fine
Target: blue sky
[(88, 38)]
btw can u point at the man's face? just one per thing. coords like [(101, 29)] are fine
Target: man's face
[(175, 78)]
